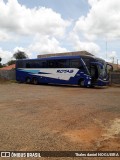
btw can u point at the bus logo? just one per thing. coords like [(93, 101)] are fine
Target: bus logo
[(65, 71)]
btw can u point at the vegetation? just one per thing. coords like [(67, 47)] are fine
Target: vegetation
[(0, 62), (17, 55), (20, 55), (11, 62)]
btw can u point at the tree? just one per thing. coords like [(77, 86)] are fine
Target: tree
[(11, 62), (0, 62), (20, 55)]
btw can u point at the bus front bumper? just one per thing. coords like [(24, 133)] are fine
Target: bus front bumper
[(101, 82)]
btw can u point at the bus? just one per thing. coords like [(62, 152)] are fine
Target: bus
[(82, 70)]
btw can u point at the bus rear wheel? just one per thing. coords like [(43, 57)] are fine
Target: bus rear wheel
[(28, 80), (35, 81)]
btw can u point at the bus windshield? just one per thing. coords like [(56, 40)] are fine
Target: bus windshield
[(96, 67), (102, 70)]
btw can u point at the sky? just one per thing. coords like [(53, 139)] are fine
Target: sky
[(55, 26)]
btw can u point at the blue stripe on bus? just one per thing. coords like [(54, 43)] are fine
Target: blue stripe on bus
[(33, 71), (30, 70)]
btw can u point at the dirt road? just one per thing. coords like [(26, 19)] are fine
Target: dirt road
[(59, 118)]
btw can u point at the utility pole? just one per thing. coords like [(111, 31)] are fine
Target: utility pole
[(113, 60), (106, 48), (117, 64)]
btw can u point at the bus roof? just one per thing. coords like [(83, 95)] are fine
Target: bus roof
[(74, 53), (63, 57), (52, 58)]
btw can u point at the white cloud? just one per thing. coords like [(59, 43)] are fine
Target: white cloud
[(92, 2), (112, 57), (17, 18), (46, 44), (79, 45), (8, 55), (113, 54), (26, 50), (4, 36), (103, 19), (18, 49), (42, 27), (87, 46), (5, 55), (42, 45)]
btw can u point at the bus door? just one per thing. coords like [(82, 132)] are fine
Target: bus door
[(94, 70)]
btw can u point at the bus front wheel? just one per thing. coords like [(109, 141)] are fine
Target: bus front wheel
[(81, 83)]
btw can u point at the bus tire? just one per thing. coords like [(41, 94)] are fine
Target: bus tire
[(28, 80), (35, 81), (81, 83), (91, 86)]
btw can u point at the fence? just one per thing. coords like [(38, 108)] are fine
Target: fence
[(115, 77), (8, 74)]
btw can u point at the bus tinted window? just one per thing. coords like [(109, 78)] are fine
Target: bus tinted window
[(31, 65), (41, 64), (19, 64), (44, 64), (51, 64), (63, 63), (74, 63), (28, 65), (87, 61), (36, 64), (58, 63)]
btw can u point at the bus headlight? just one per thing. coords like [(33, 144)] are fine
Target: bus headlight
[(89, 82)]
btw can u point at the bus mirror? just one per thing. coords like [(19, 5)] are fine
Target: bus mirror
[(109, 67)]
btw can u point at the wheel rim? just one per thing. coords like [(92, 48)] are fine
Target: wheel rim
[(28, 80), (82, 83), (35, 81)]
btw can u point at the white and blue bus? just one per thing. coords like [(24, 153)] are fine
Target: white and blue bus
[(75, 70)]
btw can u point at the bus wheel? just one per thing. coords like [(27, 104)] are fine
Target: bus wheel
[(28, 80), (35, 81), (81, 83), (91, 86)]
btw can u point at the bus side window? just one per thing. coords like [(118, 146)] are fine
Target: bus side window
[(60, 64), (44, 64), (39, 64), (51, 64), (28, 65), (19, 64), (87, 62), (75, 63), (36, 65), (63, 63)]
